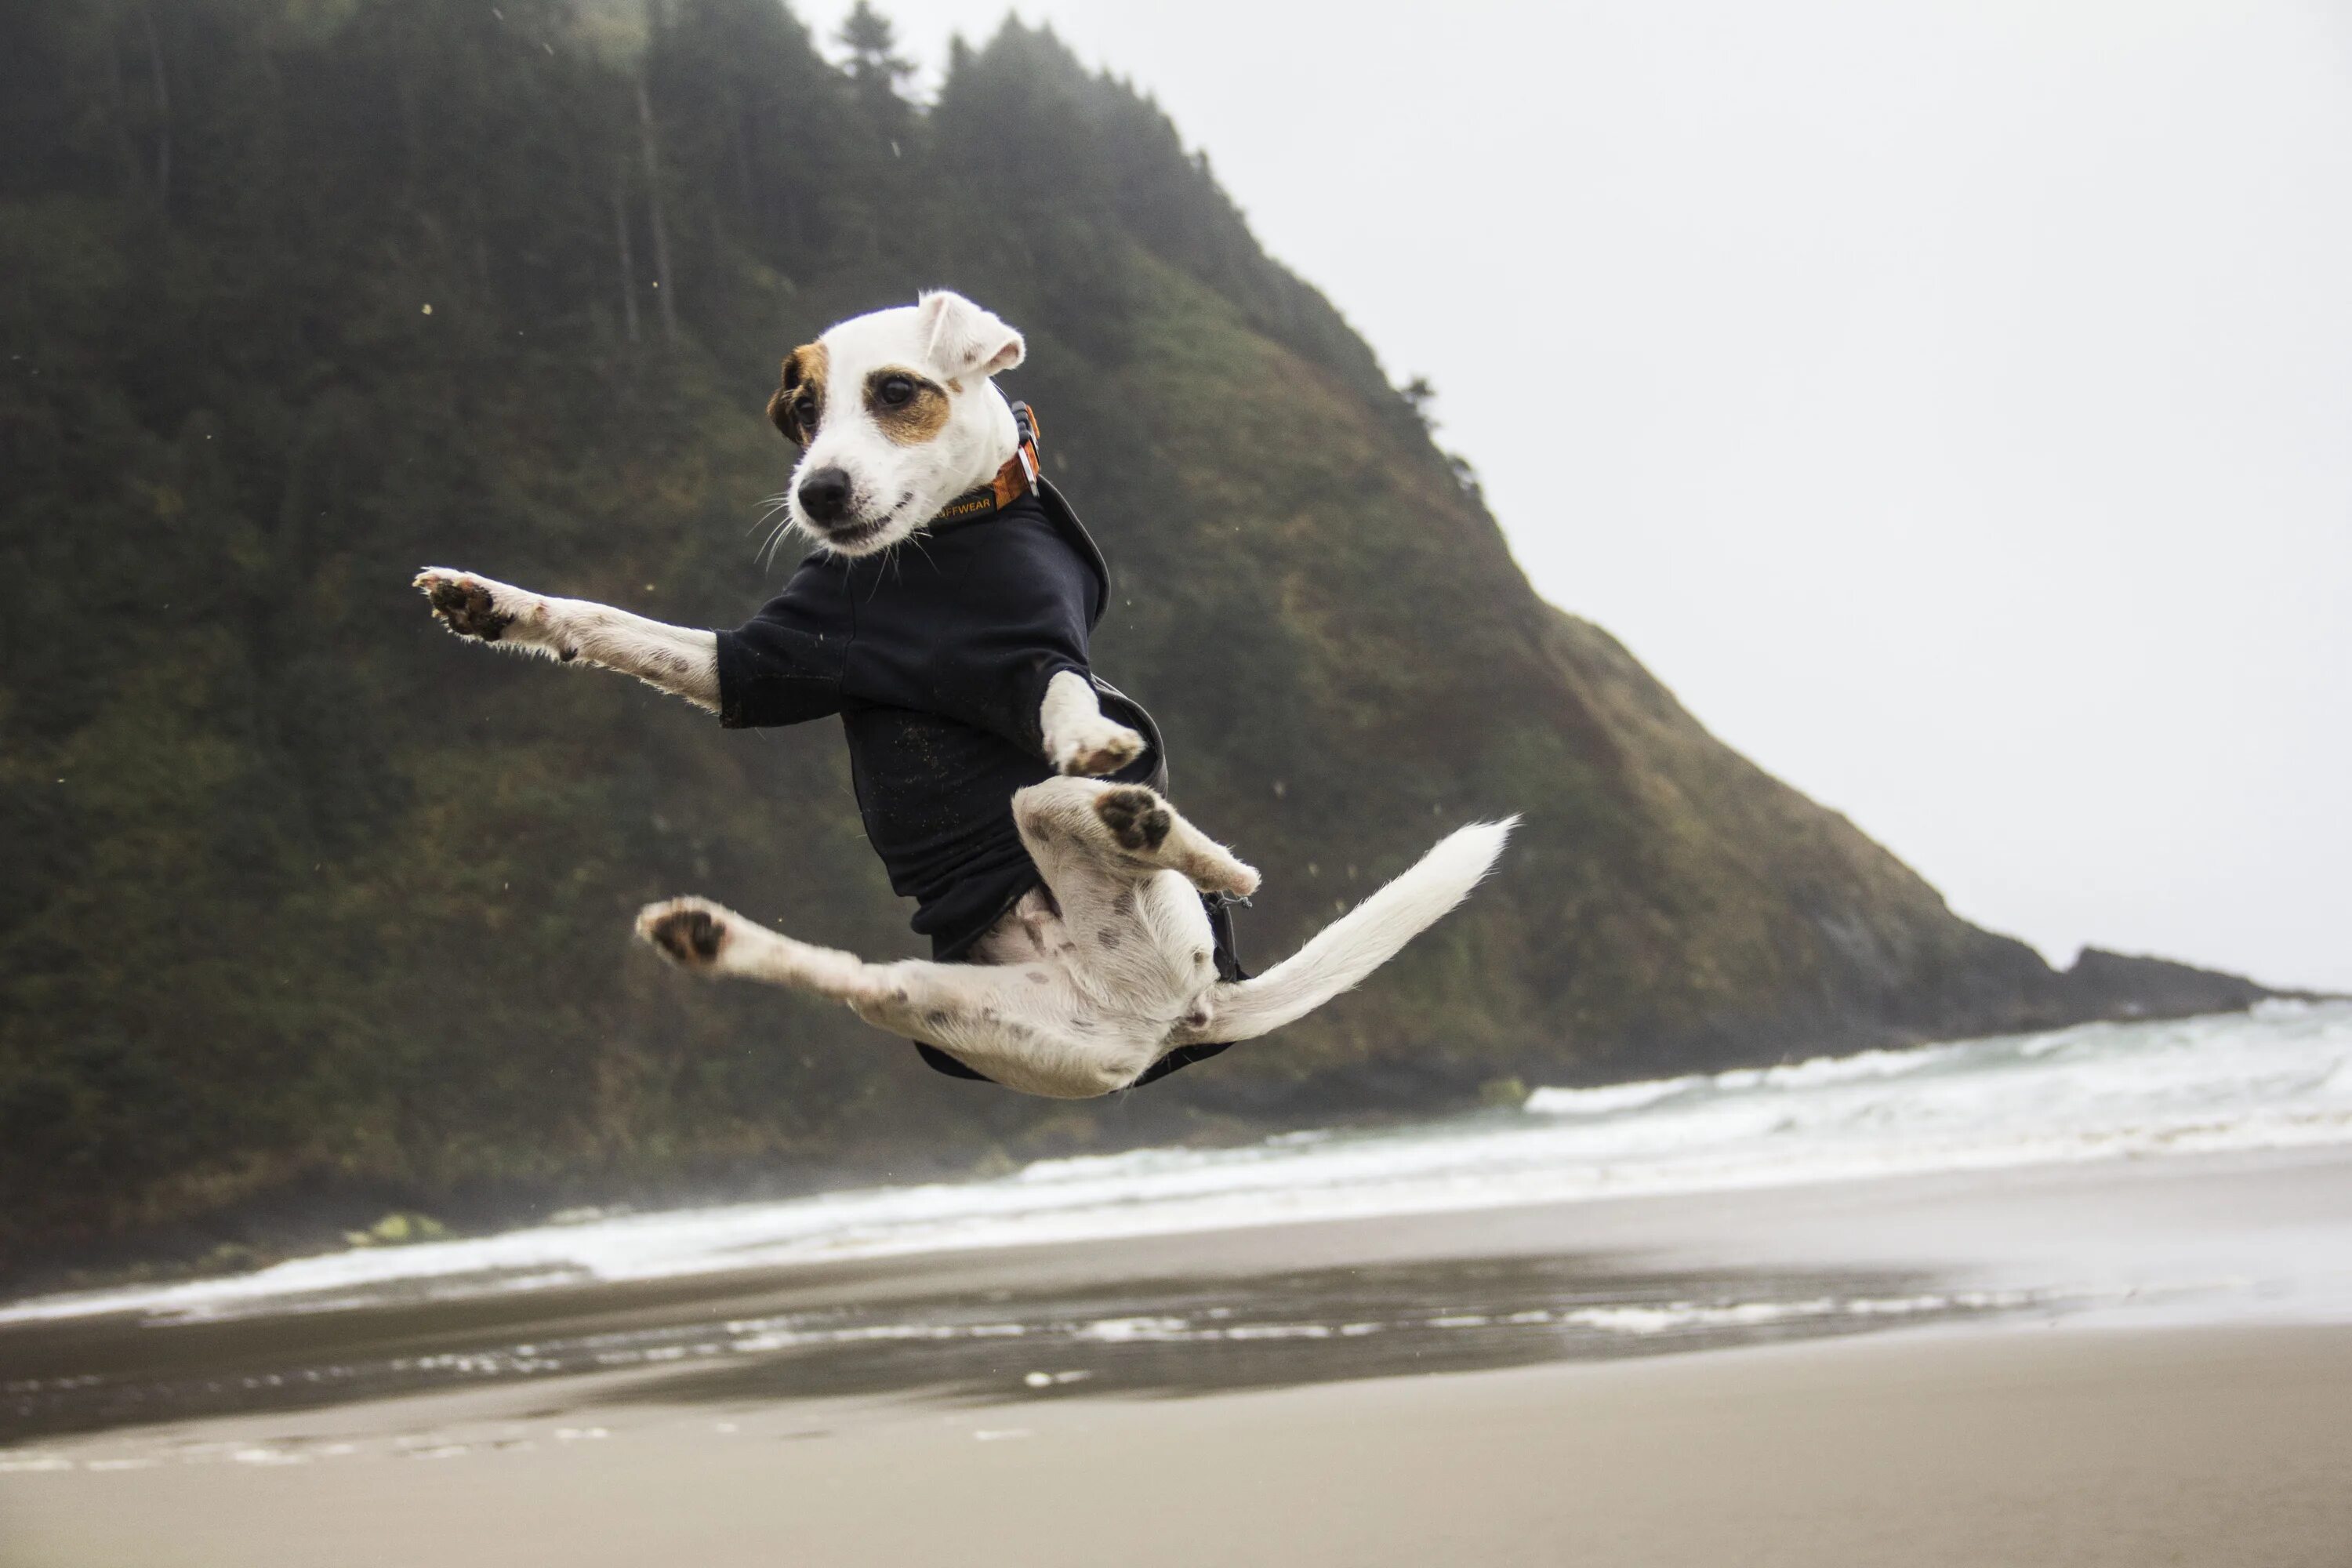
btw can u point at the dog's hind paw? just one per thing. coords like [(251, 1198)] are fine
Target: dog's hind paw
[(689, 932), (1138, 819)]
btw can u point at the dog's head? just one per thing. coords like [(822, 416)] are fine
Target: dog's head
[(895, 415)]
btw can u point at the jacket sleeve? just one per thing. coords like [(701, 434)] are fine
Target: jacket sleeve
[(784, 666), (1039, 630)]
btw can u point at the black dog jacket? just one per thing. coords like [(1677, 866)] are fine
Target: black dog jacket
[(937, 655)]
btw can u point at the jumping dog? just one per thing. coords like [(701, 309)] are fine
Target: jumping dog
[(1079, 938)]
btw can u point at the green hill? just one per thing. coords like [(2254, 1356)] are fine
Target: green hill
[(312, 911)]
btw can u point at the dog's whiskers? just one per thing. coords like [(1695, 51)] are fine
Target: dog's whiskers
[(775, 542), (771, 503), (775, 538)]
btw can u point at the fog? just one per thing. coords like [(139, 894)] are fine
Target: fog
[(1950, 401)]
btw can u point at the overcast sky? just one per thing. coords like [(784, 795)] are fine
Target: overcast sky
[(1951, 402)]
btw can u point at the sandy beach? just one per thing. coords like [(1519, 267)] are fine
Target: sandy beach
[(2126, 1363), (2002, 1446)]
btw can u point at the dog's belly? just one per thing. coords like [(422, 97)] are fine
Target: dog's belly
[(1133, 963)]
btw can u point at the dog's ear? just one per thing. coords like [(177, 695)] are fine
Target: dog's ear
[(965, 339)]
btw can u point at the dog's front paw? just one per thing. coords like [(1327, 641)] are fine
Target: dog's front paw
[(1090, 750), (689, 932), (471, 606)]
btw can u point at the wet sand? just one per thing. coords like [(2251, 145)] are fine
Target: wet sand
[(2073, 1446), (2124, 1363)]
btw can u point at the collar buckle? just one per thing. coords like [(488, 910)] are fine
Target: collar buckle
[(1025, 421)]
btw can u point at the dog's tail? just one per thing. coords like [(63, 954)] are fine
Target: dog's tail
[(1363, 939)]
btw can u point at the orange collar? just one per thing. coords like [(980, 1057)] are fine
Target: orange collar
[(1017, 478)]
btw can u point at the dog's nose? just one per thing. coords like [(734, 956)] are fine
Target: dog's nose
[(825, 495)]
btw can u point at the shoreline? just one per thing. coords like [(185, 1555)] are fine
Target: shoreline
[(2216, 1238), (201, 1255), (2125, 1363), (2111, 1096)]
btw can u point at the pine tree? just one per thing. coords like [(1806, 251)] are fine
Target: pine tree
[(875, 64), (1420, 395)]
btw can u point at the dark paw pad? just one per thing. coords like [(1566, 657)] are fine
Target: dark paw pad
[(468, 608), (1135, 818), (691, 937)]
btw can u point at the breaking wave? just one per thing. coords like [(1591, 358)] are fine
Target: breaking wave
[(2280, 1077)]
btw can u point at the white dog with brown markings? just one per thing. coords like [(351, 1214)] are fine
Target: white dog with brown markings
[(1079, 940)]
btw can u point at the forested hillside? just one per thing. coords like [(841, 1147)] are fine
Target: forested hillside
[(312, 911)]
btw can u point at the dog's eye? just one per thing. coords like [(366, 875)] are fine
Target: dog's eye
[(805, 410), (895, 390)]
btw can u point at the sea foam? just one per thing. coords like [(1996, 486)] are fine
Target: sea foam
[(2278, 1077)]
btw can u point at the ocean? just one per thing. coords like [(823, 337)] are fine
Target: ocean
[(2277, 1079)]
